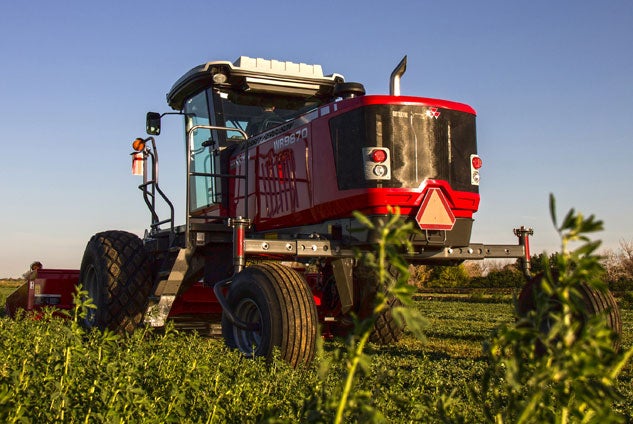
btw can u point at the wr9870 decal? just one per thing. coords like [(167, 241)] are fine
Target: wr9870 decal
[(290, 139)]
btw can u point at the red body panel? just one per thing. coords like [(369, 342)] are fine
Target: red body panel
[(55, 287), (198, 299), (405, 100), (52, 287), (292, 181), (55, 282)]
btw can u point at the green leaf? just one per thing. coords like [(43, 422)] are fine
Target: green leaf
[(552, 209)]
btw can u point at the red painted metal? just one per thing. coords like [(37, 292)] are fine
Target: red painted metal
[(404, 100), (52, 287), (295, 184), (199, 299), (51, 283), (55, 287)]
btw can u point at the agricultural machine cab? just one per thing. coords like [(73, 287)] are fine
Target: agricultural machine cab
[(279, 156)]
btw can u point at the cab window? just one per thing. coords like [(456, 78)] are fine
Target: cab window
[(204, 189), (255, 113)]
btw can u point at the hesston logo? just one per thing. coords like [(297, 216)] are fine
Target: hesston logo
[(435, 213)]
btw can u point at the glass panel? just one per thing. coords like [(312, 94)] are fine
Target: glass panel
[(255, 113), (202, 189)]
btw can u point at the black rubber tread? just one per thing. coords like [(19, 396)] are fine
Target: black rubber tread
[(526, 301), (115, 270), (602, 302), (386, 330), (595, 302), (288, 315)]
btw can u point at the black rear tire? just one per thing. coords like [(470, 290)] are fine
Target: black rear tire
[(386, 329), (595, 303), (278, 300), (115, 270)]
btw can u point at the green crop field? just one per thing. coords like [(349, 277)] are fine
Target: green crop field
[(7, 286), (52, 371)]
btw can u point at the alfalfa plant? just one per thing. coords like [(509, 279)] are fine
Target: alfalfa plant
[(392, 275), (555, 364)]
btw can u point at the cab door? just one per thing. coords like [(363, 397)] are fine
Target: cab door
[(205, 188)]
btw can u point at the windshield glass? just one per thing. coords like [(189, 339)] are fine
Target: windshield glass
[(256, 113)]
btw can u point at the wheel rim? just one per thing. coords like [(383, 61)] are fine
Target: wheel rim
[(248, 341)]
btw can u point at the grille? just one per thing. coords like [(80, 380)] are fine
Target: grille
[(425, 143)]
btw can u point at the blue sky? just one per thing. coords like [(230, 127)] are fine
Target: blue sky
[(552, 82)]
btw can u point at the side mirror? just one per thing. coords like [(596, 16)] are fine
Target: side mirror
[(152, 123)]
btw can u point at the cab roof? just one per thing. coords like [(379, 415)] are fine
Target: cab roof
[(255, 75)]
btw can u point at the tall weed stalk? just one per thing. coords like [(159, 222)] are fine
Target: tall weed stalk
[(392, 274), (551, 366)]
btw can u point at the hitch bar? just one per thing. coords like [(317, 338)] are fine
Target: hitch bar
[(479, 251), (327, 248)]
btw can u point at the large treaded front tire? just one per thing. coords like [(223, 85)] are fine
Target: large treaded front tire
[(279, 301), (115, 270)]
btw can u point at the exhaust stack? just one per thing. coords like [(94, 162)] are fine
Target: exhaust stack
[(394, 81)]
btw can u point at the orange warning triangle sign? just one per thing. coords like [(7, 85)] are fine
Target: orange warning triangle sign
[(435, 212)]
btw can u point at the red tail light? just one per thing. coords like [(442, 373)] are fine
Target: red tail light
[(378, 156), (377, 163), (477, 162)]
